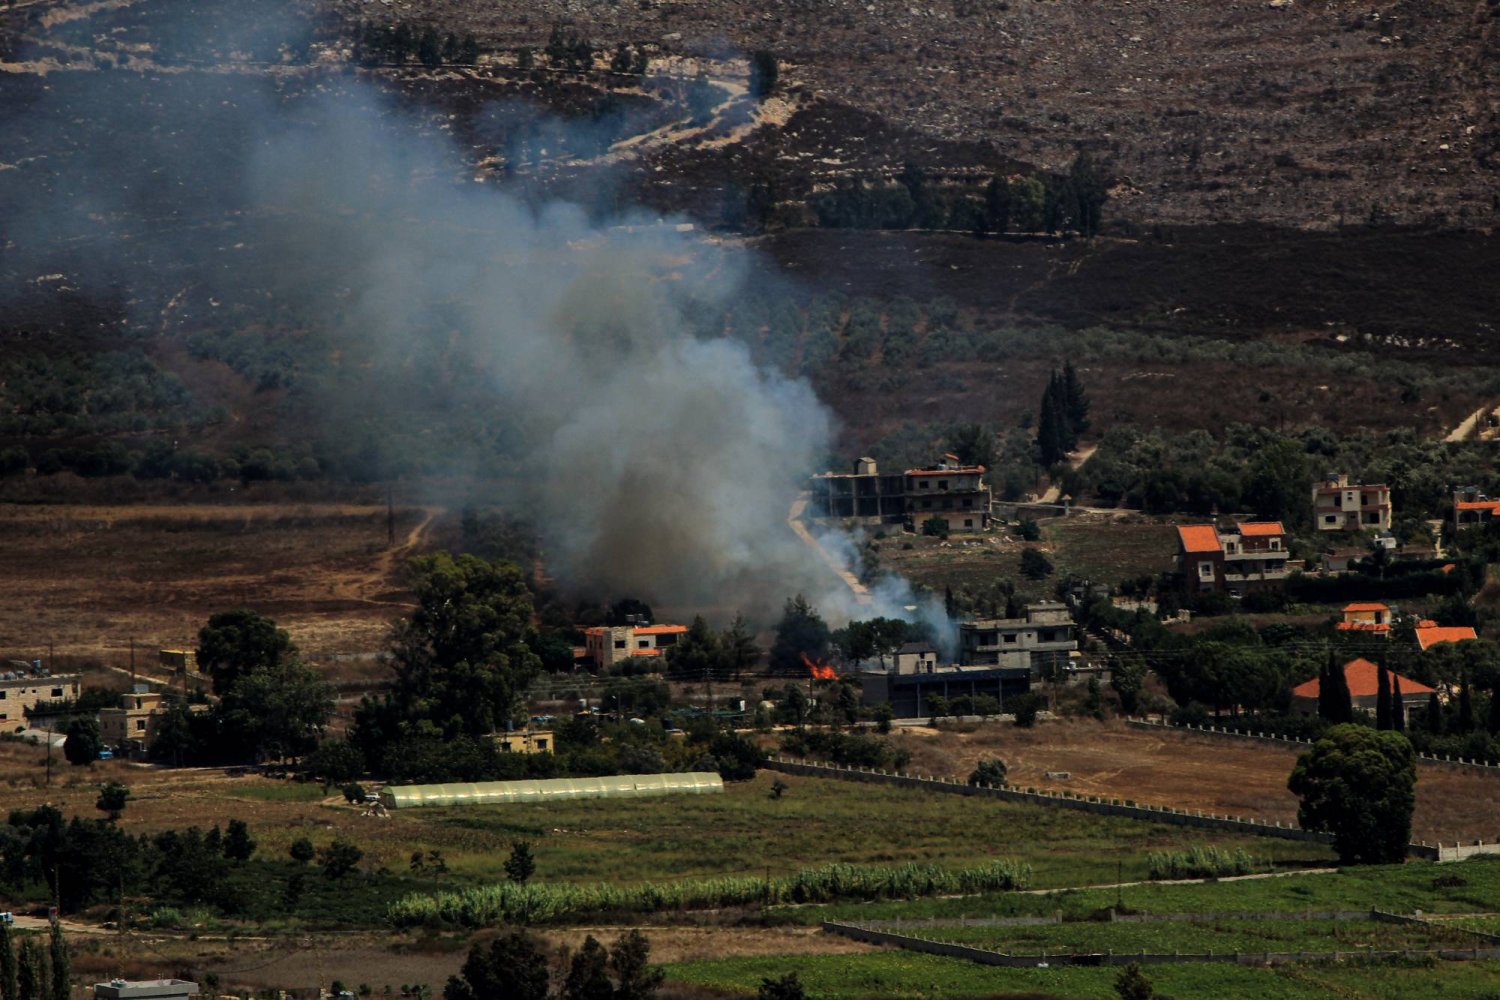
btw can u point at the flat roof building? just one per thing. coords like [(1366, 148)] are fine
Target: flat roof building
[(146, 989)]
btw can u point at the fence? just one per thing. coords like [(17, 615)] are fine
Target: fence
[(898, 924), (986, 956), (1109, 807), (1425, 758)]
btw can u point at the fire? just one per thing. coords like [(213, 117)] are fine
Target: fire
[(820, 671)]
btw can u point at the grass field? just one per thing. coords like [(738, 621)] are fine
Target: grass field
[(905, 975), (1108, 550), (1218, 937)]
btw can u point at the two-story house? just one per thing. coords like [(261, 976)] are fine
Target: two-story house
[(1472, 507), (950, 490), (1248, 557), (606, 645), (1040, 642), (1339, 505), (23, 690)]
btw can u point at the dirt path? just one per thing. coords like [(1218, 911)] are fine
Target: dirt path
[(794, 521), (380, 578), (1465, 429), (1075, 462)]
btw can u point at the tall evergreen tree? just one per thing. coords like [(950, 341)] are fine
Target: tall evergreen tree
[(1383, 699), (1343, 702), (1398, 707), (1465, 706), (1089, 190), (1075, 400), (1325, 690), (61, 961), (7, 965), (31, 977), (1433, 722)]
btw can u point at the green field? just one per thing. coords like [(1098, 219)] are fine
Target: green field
[(1110, 551), (816, 822), (903, 975), (1218, 937)]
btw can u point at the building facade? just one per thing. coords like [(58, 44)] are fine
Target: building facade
[(24, 690), (131, 724), (1370, 616), (1041, 642), (1339, 505), (949, 490), (1471, 507), (1248, 557), (607, 645), (907, 694)]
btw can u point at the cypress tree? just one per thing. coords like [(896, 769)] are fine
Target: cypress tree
[(1343, 703), (1383, 699), (31, 977), (1465, 707), (1434, 719), (57, 948), (1075, 400), (1398, 707), (1325, 689), (7, 965)]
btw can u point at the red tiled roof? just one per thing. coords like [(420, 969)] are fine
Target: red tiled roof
[(1199, 538), (660, 629), (1437, 634), (1477, 505), (1363, 627), (1254, 528), (1369, 606), (1364, 680)]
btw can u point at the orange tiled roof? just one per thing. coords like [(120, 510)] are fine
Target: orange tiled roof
[(1368, 606), (1199, 538), (1477, 505), (1262, 528), (660, 629), (1434, 635), (1363, 627), (1364, 680)]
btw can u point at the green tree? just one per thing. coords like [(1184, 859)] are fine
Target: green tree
[(801, 632), (31, 975), (301, 850), (788, 987), (1026, 197), (697, 655), (8, 988), (739, 648), (1035, 565), (588, 973), (277, 711), (520, 866), (238, 643), (636, 978), (1091, 192), (334, 762), (82, 744), (1128, 680), (1382, 698), (175, 741), (238, 844), (1132, 984), (937, 707), (764, 71), (61, 963), (1025, 708), (112, 798), (1075, 400), (1359, 785), (513, 966), (1276, 483), (339, 858), (988, 772), (974, 444)]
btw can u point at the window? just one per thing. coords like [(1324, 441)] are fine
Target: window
[(1275, 545), (926, 485), (643, 644), (926, 504), (619, 643), (3, 695), (1206, 570), (541, 744), (968, 501), (968, 522), (942, 484), (140, 725), (1010, 637), (57, 692), (1331, 519), (1364, 499)]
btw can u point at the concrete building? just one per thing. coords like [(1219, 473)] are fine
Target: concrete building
[(1367, 617), (1364, 684), (1248, 557), (146, 989), (1040, 642), (907, 693), (21, 690), (1471, 507), (607, 645), (916, 658), (950, 490), (179, 660), (132, 724), (526, 741), (1339, 505)]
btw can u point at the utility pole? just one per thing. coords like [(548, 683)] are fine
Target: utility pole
[(132, 664), (390, 517)]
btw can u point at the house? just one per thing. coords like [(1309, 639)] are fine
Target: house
[(1339, 505), (1471, 507), (1367, 617), (23, 690), (179, 660), (1430, 633), (607, 645), (1039, 642), (132, 724), (526, 741), (1364, 684), (146, 989), (1248, 557), (916, 658), (948, 489)]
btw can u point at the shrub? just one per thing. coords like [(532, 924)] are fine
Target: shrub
[(1025, 708), (989, 772)]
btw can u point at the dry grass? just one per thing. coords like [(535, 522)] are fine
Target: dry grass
[(1187, 771), (87, 579)]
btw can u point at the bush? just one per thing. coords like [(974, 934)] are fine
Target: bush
[(1025, 708), (935, 527), (989, 772), (1199, 862), (1035, 565)]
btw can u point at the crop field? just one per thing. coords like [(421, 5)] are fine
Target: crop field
[(85, 580), (1233, 777), (1108, 550), (904, 975)]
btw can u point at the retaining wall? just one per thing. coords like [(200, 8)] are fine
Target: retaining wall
[(985, 956)]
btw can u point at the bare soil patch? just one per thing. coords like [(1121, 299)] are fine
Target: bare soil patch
[(1225, 776)]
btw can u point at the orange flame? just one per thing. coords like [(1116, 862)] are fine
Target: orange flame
[(820, 671)]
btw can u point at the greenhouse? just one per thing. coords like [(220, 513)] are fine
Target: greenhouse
[(551, 789)]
